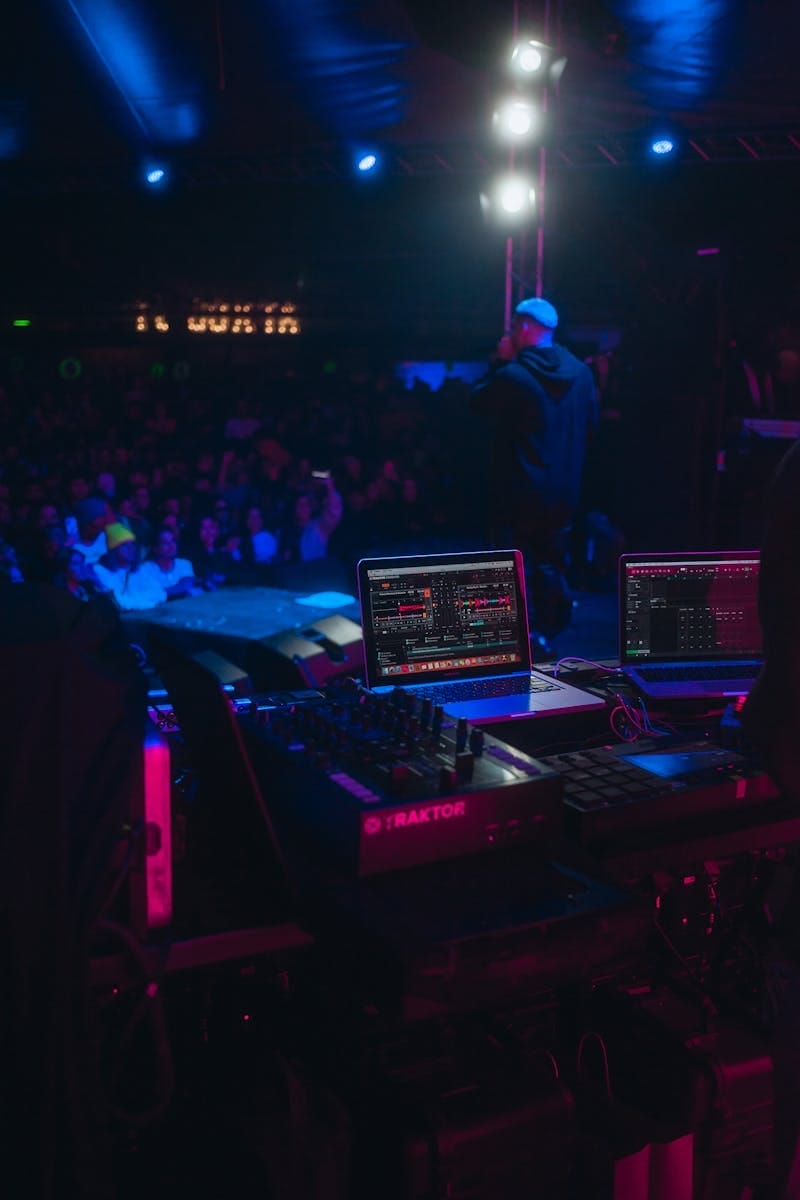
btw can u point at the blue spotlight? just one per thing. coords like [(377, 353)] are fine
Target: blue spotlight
[(367, 162), (156, 90), (155, 175), (663, 146)]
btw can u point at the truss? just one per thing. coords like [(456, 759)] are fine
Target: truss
[(318, 163)]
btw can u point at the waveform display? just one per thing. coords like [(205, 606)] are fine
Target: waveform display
[(497, 603), (403, 605)]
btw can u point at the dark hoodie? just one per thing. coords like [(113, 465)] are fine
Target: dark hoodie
[(543, 406)]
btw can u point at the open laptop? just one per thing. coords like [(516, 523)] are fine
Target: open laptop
[(453, 628), (689, 624)]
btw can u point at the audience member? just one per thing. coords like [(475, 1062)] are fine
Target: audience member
[(148, 453), (76, 576), (9, 567), (257, 546), (242, 427), (175, 575), (92, 515), (313, 521), (212, 563), (119, 572)]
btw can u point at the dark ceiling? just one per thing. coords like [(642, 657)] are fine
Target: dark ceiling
[(256, 103), (90, 81)]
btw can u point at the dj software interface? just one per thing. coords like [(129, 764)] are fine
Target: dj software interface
[(447, 617)]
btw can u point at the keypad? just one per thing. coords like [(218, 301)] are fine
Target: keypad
[(595, 779)]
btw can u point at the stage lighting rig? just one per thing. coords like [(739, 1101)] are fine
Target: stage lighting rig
[(516, 119), (512, 199), (662, 144), (532, 61), (529, 57), (533, 69)]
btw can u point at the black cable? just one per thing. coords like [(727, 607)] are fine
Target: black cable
[(150, 1006), (693, 978), (134, 833)]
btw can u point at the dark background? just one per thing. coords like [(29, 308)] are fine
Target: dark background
[(263, 201)]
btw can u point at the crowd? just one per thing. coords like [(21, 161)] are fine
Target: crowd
[(153, 489)]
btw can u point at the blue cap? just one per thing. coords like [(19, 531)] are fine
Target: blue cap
[(540, 311)]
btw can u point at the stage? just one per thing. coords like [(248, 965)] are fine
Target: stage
[(280, 638), (256, 628)]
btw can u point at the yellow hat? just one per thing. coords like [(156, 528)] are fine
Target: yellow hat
[(117, 534)]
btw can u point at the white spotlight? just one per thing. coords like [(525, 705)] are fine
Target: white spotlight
[(529, 56), (515, 196), (515, 119)]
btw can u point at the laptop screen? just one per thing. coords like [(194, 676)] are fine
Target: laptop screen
[(443, 616), (676, 607)]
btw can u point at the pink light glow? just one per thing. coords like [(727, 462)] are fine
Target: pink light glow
[(706, 250), (158, 824)]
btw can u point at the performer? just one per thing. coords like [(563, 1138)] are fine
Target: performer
[(542, 403)]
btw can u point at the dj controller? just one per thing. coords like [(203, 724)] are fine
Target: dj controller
[(466, 900), (644, 785), (391, 782)]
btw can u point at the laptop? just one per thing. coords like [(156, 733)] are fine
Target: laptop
[(453, 629), (689, 626)]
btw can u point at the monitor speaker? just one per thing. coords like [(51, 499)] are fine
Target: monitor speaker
[(309, 656), (226, 672)]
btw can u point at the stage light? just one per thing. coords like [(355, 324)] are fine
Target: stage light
[(21, 323), (529, 56), (512, 198), (515, 119), (515, 195), (366, 162), (123, 42), (155, 175), (663, 146)]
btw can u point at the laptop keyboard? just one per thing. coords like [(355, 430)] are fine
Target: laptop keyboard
[(678, 673), (477, 689)]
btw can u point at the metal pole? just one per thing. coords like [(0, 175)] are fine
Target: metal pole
[(509, 284), (509, 277), (540, 194)]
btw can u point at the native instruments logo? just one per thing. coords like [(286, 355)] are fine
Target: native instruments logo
[(406, 817)]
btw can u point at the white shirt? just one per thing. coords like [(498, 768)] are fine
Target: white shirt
[(180, 569), (132, 588), (95, 551)]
